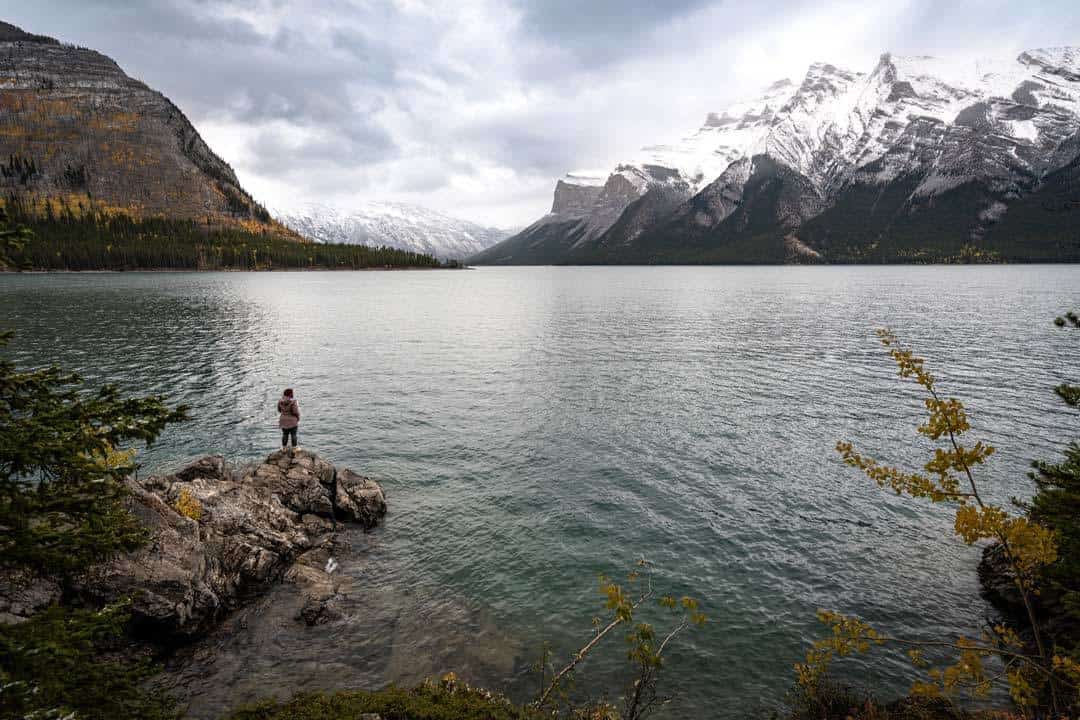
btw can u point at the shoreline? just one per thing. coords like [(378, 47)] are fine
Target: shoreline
[(66, 271)]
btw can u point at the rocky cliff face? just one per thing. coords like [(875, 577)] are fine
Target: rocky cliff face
[(574, 200), (75, 129), (949, 149)]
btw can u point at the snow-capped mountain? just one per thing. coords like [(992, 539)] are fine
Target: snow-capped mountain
[(945, 147), (397, 225)]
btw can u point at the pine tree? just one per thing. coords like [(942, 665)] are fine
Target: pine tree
[(62, 510)]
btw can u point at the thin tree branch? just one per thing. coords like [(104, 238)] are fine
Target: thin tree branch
[(580, 654)]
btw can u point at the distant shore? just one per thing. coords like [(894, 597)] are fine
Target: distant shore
[(50, 271)]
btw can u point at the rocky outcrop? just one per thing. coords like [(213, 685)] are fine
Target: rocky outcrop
[(572, 200), (219, 536), (320, 589)]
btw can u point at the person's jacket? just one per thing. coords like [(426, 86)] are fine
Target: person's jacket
[(289, 413)]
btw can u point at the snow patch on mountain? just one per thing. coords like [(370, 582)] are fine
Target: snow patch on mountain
[(397, 225), (699, 158), (586, 178)]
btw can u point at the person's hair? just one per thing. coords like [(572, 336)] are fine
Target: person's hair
[(288, 392)]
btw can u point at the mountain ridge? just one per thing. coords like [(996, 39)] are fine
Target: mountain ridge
[(965, 140), (392, 224)]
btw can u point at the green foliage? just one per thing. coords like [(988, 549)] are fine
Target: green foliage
[(89, 239), (75, 178), (234, 202), (1067, 392), (67, 664), (260, 213), (61, 510), (19, 169), (446, 700), (1056, 505), (61, 482), (12, 240), (831, 701)]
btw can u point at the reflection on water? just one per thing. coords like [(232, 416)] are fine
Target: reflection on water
[(534, 427)]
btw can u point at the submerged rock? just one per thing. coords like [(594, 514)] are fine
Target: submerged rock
[(320, 589), (220, 536)]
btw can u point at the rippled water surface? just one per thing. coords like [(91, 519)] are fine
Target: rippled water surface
[(536, 427)]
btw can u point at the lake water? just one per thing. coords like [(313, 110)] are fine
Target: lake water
[(535, 427)]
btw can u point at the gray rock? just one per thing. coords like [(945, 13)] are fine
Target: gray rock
[(300, 479), (998, 581), (22, 595), (211, 467), (243, 531), (359, 499)]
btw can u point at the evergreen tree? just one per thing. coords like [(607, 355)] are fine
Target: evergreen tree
[(62, 510), (61, 478), (12, 240), (1057, 506)]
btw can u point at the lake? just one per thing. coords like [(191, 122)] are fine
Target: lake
[(536, 427)]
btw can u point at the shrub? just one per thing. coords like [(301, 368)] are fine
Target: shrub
[(446, 700), (189, 506)]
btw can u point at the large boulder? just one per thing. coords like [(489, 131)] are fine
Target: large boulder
[(219, 536), (359, 499)]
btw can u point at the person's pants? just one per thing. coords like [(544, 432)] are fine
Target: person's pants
[(285, 434)]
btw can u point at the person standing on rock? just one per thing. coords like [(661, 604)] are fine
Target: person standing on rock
[(288, 417)]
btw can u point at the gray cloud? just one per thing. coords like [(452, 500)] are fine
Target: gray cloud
[(601, 31), (474, 107)]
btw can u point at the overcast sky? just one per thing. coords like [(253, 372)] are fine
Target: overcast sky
[(475, 107)]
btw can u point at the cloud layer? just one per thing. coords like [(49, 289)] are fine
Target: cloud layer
[(474, 107)]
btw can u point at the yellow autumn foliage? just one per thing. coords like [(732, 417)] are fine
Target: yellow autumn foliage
[(189, 506), (948, 476)]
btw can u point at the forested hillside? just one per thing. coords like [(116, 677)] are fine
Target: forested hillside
[(92, 239)]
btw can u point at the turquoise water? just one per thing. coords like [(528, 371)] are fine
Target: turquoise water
[(535, 427)]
